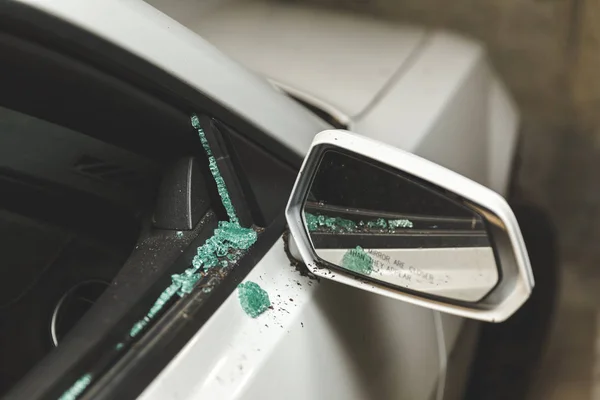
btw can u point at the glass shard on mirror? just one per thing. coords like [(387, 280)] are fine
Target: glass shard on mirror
[(379, 223)]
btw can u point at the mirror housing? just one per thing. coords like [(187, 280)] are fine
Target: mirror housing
[(407, 228)]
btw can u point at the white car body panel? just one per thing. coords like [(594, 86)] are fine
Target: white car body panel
[(322, 341), (293, 37), (428, 92), (382, 348)]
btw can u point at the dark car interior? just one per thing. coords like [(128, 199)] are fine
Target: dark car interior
[(104, 193), (71, 209), (78, 197)]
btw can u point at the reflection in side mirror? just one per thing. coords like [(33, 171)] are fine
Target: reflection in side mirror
[(378, 218), (379, 223)]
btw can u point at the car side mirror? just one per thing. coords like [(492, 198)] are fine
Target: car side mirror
[(378, 218)]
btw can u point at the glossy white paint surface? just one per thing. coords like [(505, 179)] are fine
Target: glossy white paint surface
[(442, 101), (438, 109), (343, 60), (321, 341)]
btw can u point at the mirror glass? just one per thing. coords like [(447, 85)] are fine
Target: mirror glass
[(397, 230)]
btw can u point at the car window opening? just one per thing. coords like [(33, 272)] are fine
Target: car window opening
[(226, 246)]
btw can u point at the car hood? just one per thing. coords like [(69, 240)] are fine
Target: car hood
[(340, 59)]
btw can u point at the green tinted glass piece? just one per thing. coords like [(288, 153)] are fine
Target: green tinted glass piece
[(236, 236), (337, 224), (197, 262), (399, 223), (378, 223), (164, 297), (229, 241), (78, 387), (311, 221), (253, 298), (226, 241), (314, 222), (186, 281), (214, 170), (137, 328), (358, 260)]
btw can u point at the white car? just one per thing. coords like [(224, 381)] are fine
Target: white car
[(136, 135)]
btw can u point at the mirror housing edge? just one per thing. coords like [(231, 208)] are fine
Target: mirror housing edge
[(516, 276)]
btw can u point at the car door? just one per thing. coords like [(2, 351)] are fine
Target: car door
[(321, 339)]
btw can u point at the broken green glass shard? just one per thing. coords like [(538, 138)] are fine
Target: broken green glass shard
[(164, 297), (138, 327), (315, 222), (77, 388), (214, 170), (379, 223), (253, 299), (186, 281), (227, 240), (337, 224), (235, 235), (312, 222), (358, 260), (399, 223)]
